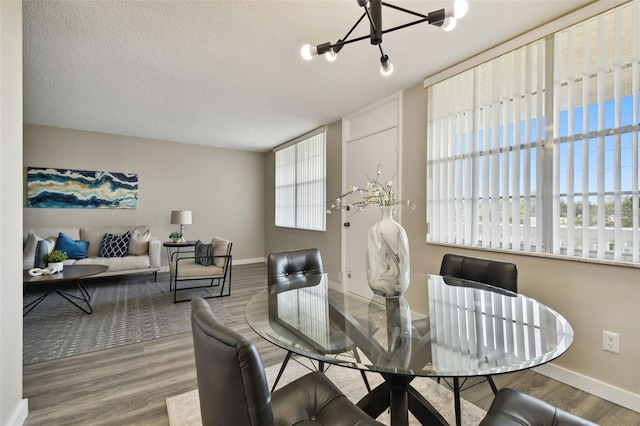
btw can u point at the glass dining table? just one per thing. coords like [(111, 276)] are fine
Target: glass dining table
[(440, 327)]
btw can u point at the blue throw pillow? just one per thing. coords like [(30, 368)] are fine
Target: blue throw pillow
[(75, 249)]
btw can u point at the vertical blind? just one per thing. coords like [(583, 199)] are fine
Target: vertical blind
[(300, 173), (537, 150)]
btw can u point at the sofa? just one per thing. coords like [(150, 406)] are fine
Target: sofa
[(124, 249)]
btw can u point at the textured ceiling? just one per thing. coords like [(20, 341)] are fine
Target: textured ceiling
[(228, 73)]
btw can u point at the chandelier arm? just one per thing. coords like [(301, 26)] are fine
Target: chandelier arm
[(437, 17), (353, 28), (402, 9), (399, 27), (353, 40)]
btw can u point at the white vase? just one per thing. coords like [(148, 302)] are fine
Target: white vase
[(387, 256), (57, 265)]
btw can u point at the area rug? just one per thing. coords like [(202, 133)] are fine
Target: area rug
[(125, 310), (184, 409)]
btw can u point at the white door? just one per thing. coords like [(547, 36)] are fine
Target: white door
[(363, 157)]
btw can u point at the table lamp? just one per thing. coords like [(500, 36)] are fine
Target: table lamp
[(181, 217)]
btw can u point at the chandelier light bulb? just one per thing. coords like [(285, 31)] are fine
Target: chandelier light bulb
[(460, 8), (386, 67), (331, 56), (306, 52), (449, 24)]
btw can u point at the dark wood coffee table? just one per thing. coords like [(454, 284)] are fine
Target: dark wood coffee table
[(69, 273)]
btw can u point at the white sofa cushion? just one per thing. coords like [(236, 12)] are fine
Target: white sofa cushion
[(188, 269), (117, 263)]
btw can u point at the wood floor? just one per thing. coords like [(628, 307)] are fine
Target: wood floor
[(128, 385)]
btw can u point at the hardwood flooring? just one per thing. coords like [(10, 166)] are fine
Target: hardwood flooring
[(128, 385)]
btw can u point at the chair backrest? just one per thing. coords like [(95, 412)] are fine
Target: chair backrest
[(292, 269), (487, 271), (232, 383), (221, 247)]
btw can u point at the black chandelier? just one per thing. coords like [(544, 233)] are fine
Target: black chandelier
[(373, 11)]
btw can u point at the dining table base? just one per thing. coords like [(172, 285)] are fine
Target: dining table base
[(400, 397)]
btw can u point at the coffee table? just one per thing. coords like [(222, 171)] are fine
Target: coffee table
[(440, 328), (69, 273)]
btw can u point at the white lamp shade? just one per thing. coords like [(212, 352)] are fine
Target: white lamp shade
[(181, 217)]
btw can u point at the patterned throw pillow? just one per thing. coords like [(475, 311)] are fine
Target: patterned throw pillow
[(204, 253), (115, 246)]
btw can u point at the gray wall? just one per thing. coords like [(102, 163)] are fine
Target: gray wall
[(223, 188), (286, 238)]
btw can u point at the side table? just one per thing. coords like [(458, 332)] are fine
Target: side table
[(171, 246), (174, 249)]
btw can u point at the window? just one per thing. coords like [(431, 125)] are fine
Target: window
[(538, 150), (301, 182)]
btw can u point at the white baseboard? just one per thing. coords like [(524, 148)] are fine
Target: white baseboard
[(20, 413), (248, 261), (595, 387)]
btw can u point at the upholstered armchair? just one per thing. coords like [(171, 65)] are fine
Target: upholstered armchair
[(207, 262), (233, 387)]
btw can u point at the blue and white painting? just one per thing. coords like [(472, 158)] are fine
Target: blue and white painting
[(62, 188)]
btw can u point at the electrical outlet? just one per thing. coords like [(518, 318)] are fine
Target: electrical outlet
[(611, 342)]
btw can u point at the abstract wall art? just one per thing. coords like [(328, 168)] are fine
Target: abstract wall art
[(63, 188)]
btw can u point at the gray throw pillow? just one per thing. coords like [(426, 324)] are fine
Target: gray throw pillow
[(204, 253)]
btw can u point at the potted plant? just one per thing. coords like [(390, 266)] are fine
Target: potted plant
[(176, 237), (56, 259)]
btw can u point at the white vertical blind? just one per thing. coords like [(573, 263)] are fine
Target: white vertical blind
[(479, 179), (635, 151), (597, 136), (538, 150), (300, 171), (586, 58), (310, 188), (537, 178), (286, 186)]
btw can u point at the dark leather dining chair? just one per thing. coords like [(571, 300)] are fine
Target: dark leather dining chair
[(233, 387), (292, 269), (513, 408), (486, 271)]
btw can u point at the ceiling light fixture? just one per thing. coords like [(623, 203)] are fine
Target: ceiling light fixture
[(446, 19)]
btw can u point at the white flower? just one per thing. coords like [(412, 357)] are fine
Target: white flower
[(375, 193)]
